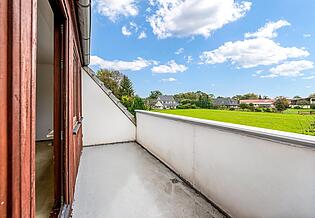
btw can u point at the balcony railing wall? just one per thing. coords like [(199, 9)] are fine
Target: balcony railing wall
[(105, 119), (246, 171)]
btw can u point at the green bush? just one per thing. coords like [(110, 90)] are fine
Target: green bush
[(232, 109), (312, 106), (183, 106), (258, 110), (243, 106), (133, 103), (268, 110), (251, 108)]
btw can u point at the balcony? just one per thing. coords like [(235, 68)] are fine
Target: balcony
[(186, 167)]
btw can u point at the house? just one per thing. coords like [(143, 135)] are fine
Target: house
[(259, 103), (225, 102), (165, 102), (302, 102)]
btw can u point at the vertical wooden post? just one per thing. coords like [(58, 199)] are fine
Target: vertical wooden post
[(18, 71), (3, 108)]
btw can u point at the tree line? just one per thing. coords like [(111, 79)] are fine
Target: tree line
[(122, 88)]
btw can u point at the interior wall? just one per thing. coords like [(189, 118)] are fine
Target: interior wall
[(45, 71), (44, 100)]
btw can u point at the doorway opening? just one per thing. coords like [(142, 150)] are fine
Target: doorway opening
[(49, 113)]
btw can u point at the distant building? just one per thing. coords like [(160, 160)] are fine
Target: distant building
[(264, 103), (225, 102), (165, 102), (297, 102)]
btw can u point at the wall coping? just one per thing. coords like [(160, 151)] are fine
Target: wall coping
[(292, 139)]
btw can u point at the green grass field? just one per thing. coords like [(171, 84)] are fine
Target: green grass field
[(289, 122), (296, 111)]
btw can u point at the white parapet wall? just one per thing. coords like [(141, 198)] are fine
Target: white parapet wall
[(105, 119), (246, 171)]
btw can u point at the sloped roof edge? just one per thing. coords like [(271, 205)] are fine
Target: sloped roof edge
[(110, 94)]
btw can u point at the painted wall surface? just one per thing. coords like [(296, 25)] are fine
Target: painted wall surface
[(103, 121), (246, 176), (44, 100)]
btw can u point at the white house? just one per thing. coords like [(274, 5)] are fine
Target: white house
[(265, 103), (165, 102)]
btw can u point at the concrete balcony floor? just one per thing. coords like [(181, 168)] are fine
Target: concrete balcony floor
[(124, 180)]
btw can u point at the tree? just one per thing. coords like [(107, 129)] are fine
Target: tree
[(248, 96), (296, 97), (122, 88), (127, 101), (281, 103), (155, 94), (111, 79), (204, 101), (251, 107), (133, 103), (137, 104), (197, 99), (126, 88)]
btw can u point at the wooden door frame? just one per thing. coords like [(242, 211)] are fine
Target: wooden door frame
[(61, 105), (58, 113)]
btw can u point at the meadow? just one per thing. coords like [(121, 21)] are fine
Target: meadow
[(288, 121)]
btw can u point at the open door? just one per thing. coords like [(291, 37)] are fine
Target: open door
[(50, 111)]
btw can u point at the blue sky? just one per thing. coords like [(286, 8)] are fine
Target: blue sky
[(224, 47)]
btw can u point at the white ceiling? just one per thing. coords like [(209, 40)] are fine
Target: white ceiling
[(45, 30)]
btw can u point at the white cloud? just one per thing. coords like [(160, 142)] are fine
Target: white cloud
[(188, 59), (129, 29), (308, 87), (269, 30), (291, 68), (307, 35), (170, 67), (171, 79), (113, 9), (142, 35), (257, 73), (134, 26), (179, 51), (252, 52), (135, 65), (309, 77), (182, 18), (125, 31)]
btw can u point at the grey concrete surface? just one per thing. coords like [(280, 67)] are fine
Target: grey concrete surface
[(124, 180)]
